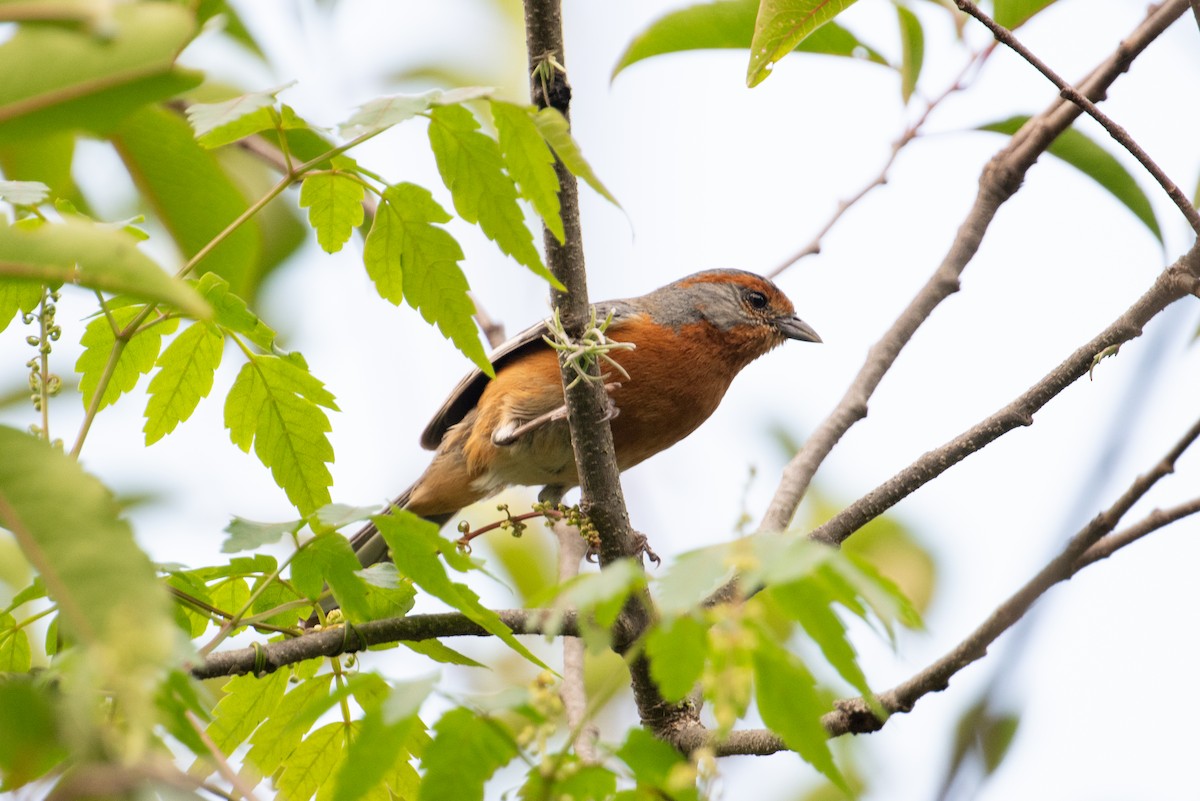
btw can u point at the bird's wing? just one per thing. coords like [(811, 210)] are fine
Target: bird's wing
[(464, 396)]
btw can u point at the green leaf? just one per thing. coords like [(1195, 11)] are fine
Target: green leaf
[(466, 750), (66, 78), (312, 764), (691, 578), (248, 701), (274, 404), (677, 649), (529, 161), (384, 112), (438, 651), (95, 256), (570, 778), (471, 168), (790, 705), (329, 558), (381, 742), (231, 312), (47, 159), (557, 132), (781, 26), (1085, 155), (804, 602), (185, 375), (23, 193), (333, 516), (729, 24), (31, 742), (912, 48), (17, 296), (289, 721), (1014, 13), (15, 654), (415, 545), (248, 535), (138, 358), (68, 526), (410, 258), (191, 194), (652, 762), (217, 124), (334, 203)]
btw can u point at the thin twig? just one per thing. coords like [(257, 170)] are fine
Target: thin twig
[(1178, 281), (1159, 518), (908, 135), (1119, 134), (350, 639), (1000, 180), (853, 716)]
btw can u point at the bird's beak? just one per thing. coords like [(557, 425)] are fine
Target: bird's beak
[(795, 328)]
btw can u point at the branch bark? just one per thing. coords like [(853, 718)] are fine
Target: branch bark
[(1119, 134), (1000, 179), (346, 639), (1179, 280)]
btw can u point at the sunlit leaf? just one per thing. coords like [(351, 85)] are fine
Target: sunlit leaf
[(191, 194), (411, 258), (472, 169), (334, 203), (557, 132), (1014, 13), (781, 26), (95, 256), (415, 545), (529, 161), (384, 112), (217, 124), (912, 48), (677, 649), (791, 707), (465, 752), (729, 24), (185, 375), (136, 359), (60, 77), (275, 404)]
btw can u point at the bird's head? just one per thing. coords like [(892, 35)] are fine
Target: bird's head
[(749, 312)]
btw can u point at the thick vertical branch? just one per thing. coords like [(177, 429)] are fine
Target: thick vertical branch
[(587, 403)]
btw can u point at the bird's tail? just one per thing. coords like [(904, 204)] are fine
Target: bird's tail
[(368, 543), (370, 548)]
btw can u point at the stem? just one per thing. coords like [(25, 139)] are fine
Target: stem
[(1119, 134)]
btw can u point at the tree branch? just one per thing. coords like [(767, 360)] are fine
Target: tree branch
[(587, 402), (1090, 544), (1000, 180), (1119, 134), (1159, 518), (1179, 280), (906, 136), (346, 639)]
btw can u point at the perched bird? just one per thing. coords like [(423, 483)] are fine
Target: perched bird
[(690, 339)]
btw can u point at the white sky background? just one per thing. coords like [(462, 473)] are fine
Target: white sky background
[(712, 174)]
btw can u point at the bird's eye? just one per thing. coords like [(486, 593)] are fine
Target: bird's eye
[(756, 299)]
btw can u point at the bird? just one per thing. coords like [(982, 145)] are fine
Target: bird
[(689, 340)]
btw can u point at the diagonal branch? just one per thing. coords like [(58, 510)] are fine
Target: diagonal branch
[(1091, 543), (348, 639), (1178, 281), (1119, 134), (1000, 180)]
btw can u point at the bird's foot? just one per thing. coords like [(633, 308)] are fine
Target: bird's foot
[(641, 549)]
